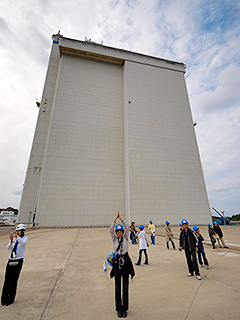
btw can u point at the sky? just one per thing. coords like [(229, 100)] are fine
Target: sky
[(205, 35)]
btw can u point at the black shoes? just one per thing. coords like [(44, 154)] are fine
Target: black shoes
[(122, 314), (7, 303)]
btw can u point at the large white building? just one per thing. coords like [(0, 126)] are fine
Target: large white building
[(114, 133)]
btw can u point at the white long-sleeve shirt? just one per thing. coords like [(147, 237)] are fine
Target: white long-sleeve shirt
[(20, 248), (142, 240)]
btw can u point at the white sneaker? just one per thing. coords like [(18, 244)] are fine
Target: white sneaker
[(207, 267), (199, 277), (202, 265), (189, 274)]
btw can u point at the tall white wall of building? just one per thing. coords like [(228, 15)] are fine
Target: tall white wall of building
[(114, 133), (166, 179), (33, 174), (83, 172)]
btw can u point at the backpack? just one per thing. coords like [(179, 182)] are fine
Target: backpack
[(112, 257)]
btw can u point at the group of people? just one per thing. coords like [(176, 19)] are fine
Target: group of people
[(215, 234), (191, 241)]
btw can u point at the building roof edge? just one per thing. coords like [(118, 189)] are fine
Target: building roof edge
[(123, 54)]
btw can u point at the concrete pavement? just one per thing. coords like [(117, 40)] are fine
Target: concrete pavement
[(62, 278)]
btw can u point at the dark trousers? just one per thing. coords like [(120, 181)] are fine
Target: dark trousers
[(192, 261), (121, 280), (133, 238), (10, 283), (213, 241), (201, 252), (140, 256), (172, 244), (152, 238)]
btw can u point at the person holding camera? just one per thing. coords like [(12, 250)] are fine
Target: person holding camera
[(123, 265), (16, 245)]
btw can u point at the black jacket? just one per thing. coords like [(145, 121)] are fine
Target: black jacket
[(218, 230), (192, 240), (127, 268), (211, 232)]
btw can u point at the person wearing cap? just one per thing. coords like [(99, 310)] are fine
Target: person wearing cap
[(141, 237), (152, 230), (218, 234), (169, 235), (201, 252), (16, 246), (122, 267), (189, 243), (133, 233), (181, 227), (212, 235)]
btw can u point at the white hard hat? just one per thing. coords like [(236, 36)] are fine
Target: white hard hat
[(20, 227)]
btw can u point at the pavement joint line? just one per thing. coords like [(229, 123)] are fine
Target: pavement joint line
[(57, 282), (205, 277), (224, 285), (178, 264), (193, 299), (231, 246)]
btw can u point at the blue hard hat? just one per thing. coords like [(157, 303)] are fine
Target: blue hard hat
[(209, 224), (195, 228), (119, 227), (150, 221), (141, 227), (184, 221), (180, 223), (214, 222), (167, 222)]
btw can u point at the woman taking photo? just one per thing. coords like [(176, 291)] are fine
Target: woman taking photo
[(123, 265)]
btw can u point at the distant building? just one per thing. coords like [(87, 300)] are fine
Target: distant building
[(114, 133), (8, 217)]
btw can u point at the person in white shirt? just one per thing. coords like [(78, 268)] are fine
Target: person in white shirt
[(141, 237), (17, 245)]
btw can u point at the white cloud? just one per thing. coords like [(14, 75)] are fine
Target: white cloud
[(202, 34), (226, 94), (17, 190)]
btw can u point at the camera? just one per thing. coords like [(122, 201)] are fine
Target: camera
[(121, 261)]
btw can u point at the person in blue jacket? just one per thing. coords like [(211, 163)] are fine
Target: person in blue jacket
[(200, 252)]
